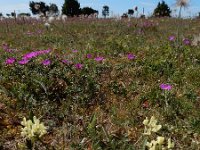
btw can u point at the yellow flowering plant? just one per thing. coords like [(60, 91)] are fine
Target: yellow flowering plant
[(151, 126), (33, 129)]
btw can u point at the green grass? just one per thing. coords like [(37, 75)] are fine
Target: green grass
[(102, 105)]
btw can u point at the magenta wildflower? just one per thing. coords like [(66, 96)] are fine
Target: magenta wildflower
[(30, 55), (171, 38), (131, 56), (5, 47), (99, 59), (46, 62), (43, 51), (66, 62), (74, 51), (186, 41), (78, 66), (23, 61), (29, 33), (39, 31), (89, 56), (10, 61), (166, 87)]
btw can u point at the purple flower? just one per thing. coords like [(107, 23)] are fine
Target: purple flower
[(171, 38), (66, 61), (39, 31), (5, 47), (29, 33), (186, 41), (99, 59), (74, 51), (30, 55), (10, 61), (46, 62), (89, 56), (23, 61), (166, 87), (78, 66), (131, 56), (43, 51)]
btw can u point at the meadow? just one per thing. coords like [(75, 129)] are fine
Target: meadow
[(95, 83)]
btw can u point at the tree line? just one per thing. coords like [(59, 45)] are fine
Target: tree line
[(72, 8)]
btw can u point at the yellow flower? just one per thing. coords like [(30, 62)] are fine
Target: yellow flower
[(160, 140), (150, 126), (152, 145), (145, 122), (33, 129), (170, 144)]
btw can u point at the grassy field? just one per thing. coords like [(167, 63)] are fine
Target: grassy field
[(95, 84)]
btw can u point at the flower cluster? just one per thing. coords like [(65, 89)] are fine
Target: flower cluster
[(151, 126), (33, 128), (159, 144)]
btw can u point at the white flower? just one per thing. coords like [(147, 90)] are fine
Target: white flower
[(182, 3), (196, 40), (64, 17), (51, 19), (47, 25)]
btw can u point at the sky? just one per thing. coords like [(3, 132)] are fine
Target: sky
[(116, 7)]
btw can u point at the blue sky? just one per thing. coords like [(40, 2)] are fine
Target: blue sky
[(117, 7)]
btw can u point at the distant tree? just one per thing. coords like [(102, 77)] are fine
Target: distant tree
[(13, 14), (71, 8), (130, 12), (53, 10), (162, 10), (38, 8), (105, 11), (125, 15), (88, 11), (1, 15), (24, 14), (8, 15)]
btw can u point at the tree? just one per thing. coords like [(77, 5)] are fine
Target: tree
[(71, 8), (38, 8), (1, 15), (130, 12), (24, 14), (13, 14), (105, 11), (125, 15), (162, 10), (88, 11), (53, 10), (8, 15)]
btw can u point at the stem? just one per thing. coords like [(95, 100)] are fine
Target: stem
[(180, 10), (166, 100), (179, 17)]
